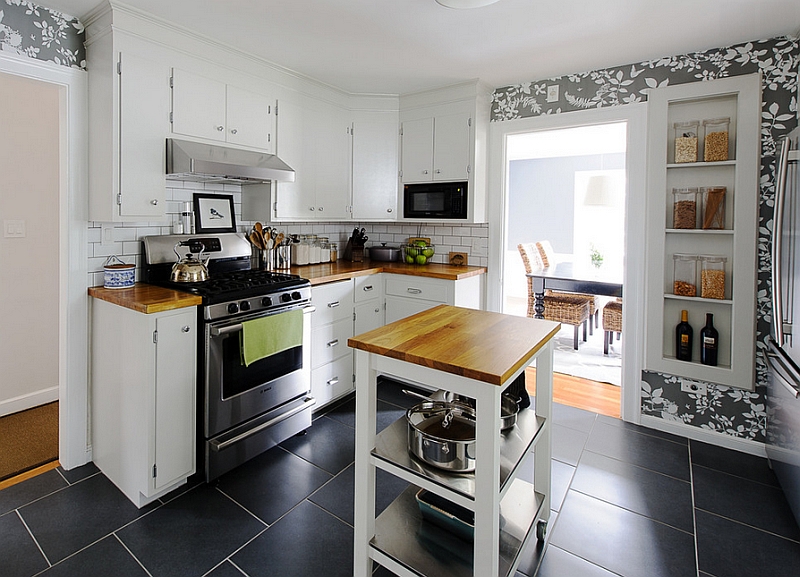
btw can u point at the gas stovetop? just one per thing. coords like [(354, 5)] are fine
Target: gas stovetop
[(240, 284)]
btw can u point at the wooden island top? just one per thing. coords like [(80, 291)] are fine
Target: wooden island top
[(480, 345)]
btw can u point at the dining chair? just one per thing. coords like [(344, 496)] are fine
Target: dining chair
[(612, 322)]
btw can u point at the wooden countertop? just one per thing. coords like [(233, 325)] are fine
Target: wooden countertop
[(342, 270), (146, 298), (481, 345)]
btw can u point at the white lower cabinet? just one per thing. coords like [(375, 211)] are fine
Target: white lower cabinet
[(369, 303), (407, 295), (143, 398), (331, 326)]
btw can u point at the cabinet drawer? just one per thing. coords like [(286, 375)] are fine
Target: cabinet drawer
[(419, 288), (334, 302), (329, 342), (332, 380), (367, 287)]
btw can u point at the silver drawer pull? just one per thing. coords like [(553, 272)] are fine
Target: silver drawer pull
[(186, 329), (333, 381), (414, 291), (333, 305), (368, 288), (333, 343)]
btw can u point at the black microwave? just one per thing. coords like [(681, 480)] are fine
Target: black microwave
[(435, 200)]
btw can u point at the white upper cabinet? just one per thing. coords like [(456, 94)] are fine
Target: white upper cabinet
[(437, 148), (375, 159), (213, 110), (128, 124)]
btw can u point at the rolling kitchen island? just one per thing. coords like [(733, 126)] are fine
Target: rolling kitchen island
[(477, 354)]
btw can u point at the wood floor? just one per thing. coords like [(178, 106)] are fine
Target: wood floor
[(592, 396)]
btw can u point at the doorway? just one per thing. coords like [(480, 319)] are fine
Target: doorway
[(566, 212)]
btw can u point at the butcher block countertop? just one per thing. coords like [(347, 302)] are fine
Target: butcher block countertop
[(146, 298), (480, 345), (343, 269)]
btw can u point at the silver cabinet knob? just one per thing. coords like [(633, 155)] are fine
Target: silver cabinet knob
[(154, 202), (186, 329), (310, 208), (424, 172), (234, 131), (389, 210), (320, 208), (438, 171), (220, 128)]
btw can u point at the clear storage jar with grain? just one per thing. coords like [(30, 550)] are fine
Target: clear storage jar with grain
[(684, 208), (686, 139), (712, 277), (684, 275), (713, 207), (715, 143)]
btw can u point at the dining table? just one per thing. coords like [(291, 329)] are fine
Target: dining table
[(577, 277)]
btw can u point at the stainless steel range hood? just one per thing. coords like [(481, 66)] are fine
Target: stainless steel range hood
[(195, 162)]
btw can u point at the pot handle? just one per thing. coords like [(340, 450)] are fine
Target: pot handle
[(110, 260)]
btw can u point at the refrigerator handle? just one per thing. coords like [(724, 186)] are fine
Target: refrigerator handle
[(777, 241), (782, 374)]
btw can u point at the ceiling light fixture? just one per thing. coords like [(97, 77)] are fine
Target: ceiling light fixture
[(462, 4)]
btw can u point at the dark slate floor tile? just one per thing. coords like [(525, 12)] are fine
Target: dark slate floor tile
[(337, 496), (273, 483), (193, 482), (756, 504), (106, 557), (387, 414), (531, 555), (344, 412), (567, 444), (560, 563), (645, 451), (606, 420), (225, 570), (79, 515), (308, 541), (28, 491), (79, 473), (391, 391), (561, 476), (732, 462), (621, 541), (642, 491), (19, 555), (328, 444), (730, 549), (191, 534), (573, 418)]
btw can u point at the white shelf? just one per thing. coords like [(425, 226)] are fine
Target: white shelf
[(700, 231), (702, 164), (697, 299)]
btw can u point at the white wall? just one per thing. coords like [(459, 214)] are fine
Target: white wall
[(29, 266)]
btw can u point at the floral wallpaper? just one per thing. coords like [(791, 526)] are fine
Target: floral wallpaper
[(27, 29), (723, 409)]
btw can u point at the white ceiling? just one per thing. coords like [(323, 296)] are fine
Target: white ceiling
[(401, 46)]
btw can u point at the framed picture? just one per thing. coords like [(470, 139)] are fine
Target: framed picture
[(214, 213)]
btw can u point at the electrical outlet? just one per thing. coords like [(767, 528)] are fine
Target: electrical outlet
[(694, 387), (552, 93), (106, 233), (14, 228)]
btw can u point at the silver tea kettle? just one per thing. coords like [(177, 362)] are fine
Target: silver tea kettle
[(189, 268)]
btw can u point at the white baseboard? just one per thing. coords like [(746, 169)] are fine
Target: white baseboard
[(705, 435), (28, 401)]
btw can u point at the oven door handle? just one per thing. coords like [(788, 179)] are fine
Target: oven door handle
[(221, 445), (226, 330)]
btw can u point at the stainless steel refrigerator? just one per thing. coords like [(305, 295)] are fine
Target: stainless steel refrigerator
[(783, 356)]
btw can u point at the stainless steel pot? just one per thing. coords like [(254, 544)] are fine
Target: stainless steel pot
[(509, 405), (189, 269), (442, 434), (384, 253)]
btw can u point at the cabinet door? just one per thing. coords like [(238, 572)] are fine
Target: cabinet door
[(175, 398), (375, 181), (332, 158), (369, 316), (198, 106), (451, 147), (249, 119), (144, 125), (417, 150), (295, 147)]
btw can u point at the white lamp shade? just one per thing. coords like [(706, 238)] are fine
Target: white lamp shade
[(600, 191)]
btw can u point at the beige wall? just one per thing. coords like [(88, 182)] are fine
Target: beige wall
[(29, 297)]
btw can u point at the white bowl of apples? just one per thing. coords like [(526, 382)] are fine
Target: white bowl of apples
[(417, 252)]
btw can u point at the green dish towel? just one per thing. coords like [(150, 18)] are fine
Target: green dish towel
[(263, 337)]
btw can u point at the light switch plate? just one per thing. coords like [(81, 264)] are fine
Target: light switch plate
[(552, 93), (106, 233), (14, 229)]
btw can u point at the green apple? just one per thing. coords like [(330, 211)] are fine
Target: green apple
[(411, 251), (421, 259), (409, 259), (428, 252), (421, 243)]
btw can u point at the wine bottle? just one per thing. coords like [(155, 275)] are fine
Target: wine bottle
[(683, 338), (709, 337)]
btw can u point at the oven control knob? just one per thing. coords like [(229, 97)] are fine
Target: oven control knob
[(286, 297), (233, 308), (266, 302), (296, 296), (244, 305)]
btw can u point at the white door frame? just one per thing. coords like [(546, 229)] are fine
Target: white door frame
[(635, 205), (73, 322)]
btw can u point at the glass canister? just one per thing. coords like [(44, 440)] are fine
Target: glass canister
[(324, 249), (686, 141), (302, 250), (684, 275), (334, 248), (313, 249), (684, 211), (295, 241), (715, 145), (712, 277), (713, 207)]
